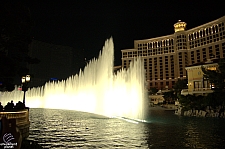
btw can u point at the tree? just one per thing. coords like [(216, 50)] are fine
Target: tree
[(15, 26), (192, 102), (153, 90), (216, 77), (179, 85), (169, 96)]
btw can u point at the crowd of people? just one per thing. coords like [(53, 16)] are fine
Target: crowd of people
[(11, 107)]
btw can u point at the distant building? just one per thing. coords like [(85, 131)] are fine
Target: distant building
[(166, 57), (197, 84), (56, 62), (156, 99), (117, 68)]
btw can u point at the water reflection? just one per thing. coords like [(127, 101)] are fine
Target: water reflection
[(202, 131), (71, 129)]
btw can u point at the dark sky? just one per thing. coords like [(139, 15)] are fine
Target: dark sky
[(87, 24)]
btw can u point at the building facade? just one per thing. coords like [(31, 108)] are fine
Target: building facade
[(197, 84), (166, 57)]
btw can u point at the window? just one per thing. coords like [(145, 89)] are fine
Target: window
[(197, 84)]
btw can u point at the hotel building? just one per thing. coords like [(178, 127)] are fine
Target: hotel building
[(197, 83), (166, 57)]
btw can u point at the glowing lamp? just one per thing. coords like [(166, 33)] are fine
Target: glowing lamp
[(27, 78), (23, 79)]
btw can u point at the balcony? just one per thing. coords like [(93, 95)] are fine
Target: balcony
[(196, 91), (22, 120)]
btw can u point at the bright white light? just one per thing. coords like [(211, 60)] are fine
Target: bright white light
[(95, 90), (27, 78), (23, 79)]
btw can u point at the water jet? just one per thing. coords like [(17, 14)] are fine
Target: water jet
[(96, 89)]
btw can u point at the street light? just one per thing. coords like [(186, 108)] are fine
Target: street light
[(25, 80)]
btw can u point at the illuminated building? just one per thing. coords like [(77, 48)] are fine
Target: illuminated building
[(197, 84), (166, 57)]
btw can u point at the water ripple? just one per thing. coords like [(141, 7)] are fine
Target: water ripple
[(58, 129)]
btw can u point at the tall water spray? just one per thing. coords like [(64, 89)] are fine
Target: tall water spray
[(95, 90)]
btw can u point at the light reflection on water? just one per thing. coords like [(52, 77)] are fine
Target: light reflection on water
[(72, 129)]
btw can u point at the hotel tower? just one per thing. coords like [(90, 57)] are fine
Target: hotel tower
[(166, 57)]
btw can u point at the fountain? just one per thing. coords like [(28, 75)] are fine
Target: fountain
[(95, 90)]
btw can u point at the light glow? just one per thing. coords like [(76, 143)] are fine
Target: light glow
[(95, 90), (27, 78), (23, 79)]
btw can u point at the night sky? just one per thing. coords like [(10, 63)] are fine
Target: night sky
[(87, 24)]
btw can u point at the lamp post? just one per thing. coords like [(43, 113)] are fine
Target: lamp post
[(25, 80)]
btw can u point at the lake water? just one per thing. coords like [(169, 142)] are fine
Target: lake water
[(72, 129)]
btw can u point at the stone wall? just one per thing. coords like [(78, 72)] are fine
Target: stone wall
[(208, 112)]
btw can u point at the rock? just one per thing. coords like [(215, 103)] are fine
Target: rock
[(218, 109), (179, 111), (223, 114), (211, 115), (207, 115), (193, 112), (217, 114), (203, 113), (197, 113), (189, 113), (185, 113), (200, 113), (207, 110)]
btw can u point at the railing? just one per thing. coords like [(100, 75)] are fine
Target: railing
[(22, 120), (184, 90), (21, 116), (202, 89), (196, 90)]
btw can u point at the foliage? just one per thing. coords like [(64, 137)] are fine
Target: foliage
[(217, 77), (169, 96), (201, 102), (179, 85), (15, 26), (153, 90), (215, 99), (192, 101)]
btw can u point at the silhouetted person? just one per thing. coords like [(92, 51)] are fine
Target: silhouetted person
[(1, 107), (9, 106), (20, 106), (12, 105)]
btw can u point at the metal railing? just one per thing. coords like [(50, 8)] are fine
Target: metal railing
[(22, 117), (22, 120), (197, 90)]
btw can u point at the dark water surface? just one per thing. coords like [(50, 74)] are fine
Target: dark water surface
[(72, 129)]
